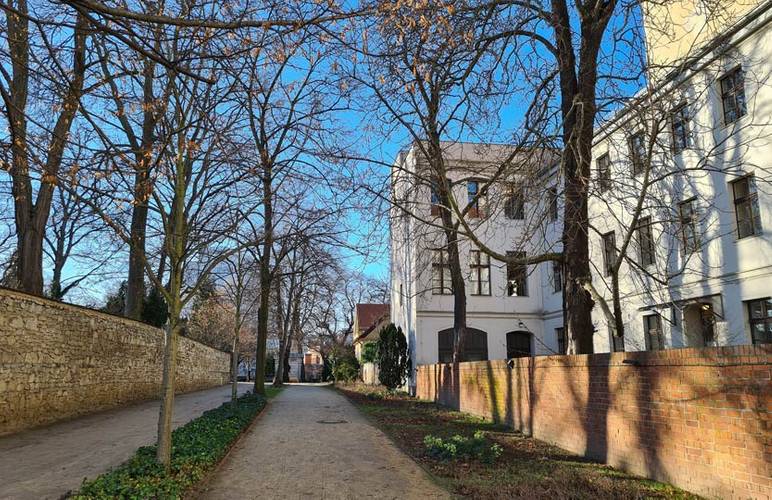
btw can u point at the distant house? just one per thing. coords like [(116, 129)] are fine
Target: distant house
[(313, 366), (368, 321)]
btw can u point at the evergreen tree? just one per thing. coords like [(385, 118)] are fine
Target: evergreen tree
[(394, 358)]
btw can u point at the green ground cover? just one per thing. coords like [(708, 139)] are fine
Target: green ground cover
[(197, 447)]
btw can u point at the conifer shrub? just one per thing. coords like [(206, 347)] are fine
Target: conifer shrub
[(393, 357)]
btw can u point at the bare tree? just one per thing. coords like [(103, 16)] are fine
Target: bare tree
[(38, 139)]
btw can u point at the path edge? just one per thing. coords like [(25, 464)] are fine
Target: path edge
[(198, 489)]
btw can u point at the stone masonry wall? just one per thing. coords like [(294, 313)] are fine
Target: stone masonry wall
[(696, 418), (58, 361)]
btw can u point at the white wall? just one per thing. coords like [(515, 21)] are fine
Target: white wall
[(731, 269)]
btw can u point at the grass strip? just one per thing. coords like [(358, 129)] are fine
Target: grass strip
[(196, 448), (524, 468)]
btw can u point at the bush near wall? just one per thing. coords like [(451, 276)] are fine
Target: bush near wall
[(196, 448)]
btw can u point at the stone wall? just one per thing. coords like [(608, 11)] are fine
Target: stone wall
[(696, 418), (58, 361)]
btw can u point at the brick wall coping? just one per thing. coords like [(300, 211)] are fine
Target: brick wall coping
[(703, 356)]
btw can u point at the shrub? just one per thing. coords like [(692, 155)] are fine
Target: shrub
[(196, 447), (370, 352), (459, 446), (346, 370), (393, 357), (343, 365), (374, 395)]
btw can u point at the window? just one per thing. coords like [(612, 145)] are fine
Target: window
[(557, 276), (480, 265), (645, 241), (518, 344), (760, 317), (400, 294), (604, 173), (609, 252), (472, 189), (441, 283), (514, 204), (746, 206), (688, 221), (637, 145), (552, 199), (436, 202), (475, 345), (652, 329), (617, 343), (517, 276), (560, 333), (733, 95), (435, 194), (679, 125)]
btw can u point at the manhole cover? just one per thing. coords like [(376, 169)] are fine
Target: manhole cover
[(331, 422)]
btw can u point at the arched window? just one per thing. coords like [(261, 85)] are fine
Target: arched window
[(475, 347), (518, 344)]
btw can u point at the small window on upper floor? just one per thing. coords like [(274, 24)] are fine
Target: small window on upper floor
[(604, 173), (687, 216), (441, 280), (609, 252), (480, 268), (436, 200), (746, 206), (645, 242), (733, 95), (514, 203), (679, 126), (476, 202), (557, 277), (552, 201), (517, 276), (637, 144)]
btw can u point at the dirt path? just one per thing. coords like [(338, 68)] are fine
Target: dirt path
[(47, 462), (312, 443)]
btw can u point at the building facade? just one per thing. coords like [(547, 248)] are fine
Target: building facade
[(680, 217)]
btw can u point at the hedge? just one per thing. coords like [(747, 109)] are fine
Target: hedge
[(196, 448)]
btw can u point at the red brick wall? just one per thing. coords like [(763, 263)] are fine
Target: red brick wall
[(696, 418)]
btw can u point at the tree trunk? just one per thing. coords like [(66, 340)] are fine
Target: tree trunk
[(163, 453), (143, 187), (285, 365), (454, 257), (278, 375), (135, 283), (176, 238), (235, 369), (31, 218), (578, 109), (265, 278)]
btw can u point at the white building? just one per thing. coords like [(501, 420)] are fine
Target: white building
[(698, 267)]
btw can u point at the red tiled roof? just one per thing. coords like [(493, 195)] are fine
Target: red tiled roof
[(370, 314)]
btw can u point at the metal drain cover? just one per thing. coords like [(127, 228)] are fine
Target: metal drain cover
[(332, 421)]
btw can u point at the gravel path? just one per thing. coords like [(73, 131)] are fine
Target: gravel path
[(47, 462), (312, 443)]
